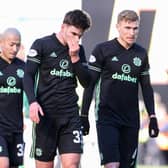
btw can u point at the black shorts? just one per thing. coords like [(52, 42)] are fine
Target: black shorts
[(118, 144), (12, 146), (51, 134)]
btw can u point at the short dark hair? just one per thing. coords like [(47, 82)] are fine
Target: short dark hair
[(127, 15), (78, 18)]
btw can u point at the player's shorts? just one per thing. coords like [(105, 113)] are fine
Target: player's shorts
[(52, 134), (118, 144), (12, 146)]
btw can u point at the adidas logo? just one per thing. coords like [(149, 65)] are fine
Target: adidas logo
[(1, 74), (53, 54), (114, 58)]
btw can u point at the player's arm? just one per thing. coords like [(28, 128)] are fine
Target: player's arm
[(77, 56), (81, 69), (95, 67), (31, 69), (148, 96), (29, 87), (147, 92), (86, 102), (29, 80)]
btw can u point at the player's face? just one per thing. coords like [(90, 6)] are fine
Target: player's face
[(10, 46), (128, 32), (72, 32)]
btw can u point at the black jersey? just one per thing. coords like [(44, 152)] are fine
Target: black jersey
[(57, 82), (121, 71), (11, 96)]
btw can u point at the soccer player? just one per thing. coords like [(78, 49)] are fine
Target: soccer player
[(117, 68), (54, 65), (11, 100)]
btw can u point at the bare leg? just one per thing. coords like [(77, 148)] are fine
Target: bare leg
[(70, 160), (112, 165), (4, 162), (41, 164)]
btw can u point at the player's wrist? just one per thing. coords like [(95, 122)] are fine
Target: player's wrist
[(74, 58), (84, 115), (152, 116)]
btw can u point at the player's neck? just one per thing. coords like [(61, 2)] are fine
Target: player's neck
[(6, 59), (60, 38), (124, 43)]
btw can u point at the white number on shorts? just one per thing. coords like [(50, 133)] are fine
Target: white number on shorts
[(77, 135), (20, 148)]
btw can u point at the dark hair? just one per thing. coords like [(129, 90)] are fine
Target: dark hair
[(78, 18), (127, 15)]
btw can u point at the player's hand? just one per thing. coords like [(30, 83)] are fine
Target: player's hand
[(85, 125), (73, 44), (34, 111), (153, 127)]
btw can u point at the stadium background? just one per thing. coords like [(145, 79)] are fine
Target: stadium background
[(38, 18)]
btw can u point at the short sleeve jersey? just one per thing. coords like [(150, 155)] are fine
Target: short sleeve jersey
[(11, 96), (120, 72), (56, 86)]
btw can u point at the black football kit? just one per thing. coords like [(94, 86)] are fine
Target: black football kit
[(55, 90), (11, 114), (116, 73)]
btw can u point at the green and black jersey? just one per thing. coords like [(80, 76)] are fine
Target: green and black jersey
[(56, 76), (11, 96), (119, 72)]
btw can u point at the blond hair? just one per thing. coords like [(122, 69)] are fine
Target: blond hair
[(127, 15)]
